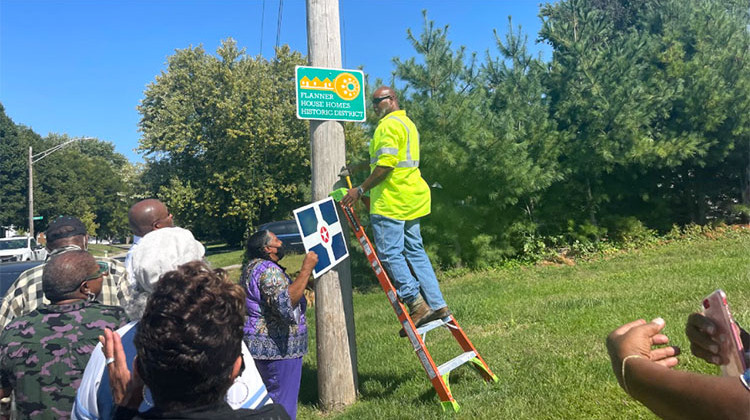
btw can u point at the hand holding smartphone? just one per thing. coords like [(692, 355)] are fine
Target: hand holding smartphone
[(716, 308)]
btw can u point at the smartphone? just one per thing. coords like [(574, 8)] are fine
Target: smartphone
[(716, 308)]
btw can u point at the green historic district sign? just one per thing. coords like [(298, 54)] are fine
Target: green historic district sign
[(330, 94)]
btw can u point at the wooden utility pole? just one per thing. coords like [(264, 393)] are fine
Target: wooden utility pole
[(334, 314)]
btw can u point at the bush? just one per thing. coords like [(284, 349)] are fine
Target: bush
[(629, 232), (485, 253)]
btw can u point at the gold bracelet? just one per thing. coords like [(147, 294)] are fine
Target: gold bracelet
[(624, 383)]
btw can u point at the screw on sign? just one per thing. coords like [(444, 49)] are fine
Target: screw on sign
[(324, 234)]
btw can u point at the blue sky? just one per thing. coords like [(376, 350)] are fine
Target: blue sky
[(79, 67)]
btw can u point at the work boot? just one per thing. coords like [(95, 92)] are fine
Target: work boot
[(442, 313), (420, 314)]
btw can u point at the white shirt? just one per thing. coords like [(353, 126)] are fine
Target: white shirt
[(129, 259), (248, 390)]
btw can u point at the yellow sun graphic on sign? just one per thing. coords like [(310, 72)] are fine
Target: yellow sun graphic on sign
[(346, 86)]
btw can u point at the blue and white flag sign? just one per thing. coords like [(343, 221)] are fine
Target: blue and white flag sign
[(321, 232)]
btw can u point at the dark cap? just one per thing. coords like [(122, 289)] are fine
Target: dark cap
[(64, 227)]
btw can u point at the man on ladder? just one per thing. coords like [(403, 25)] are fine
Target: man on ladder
[(399, 197)]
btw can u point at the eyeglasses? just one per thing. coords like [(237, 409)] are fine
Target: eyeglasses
[(376, 101), (101, 271)]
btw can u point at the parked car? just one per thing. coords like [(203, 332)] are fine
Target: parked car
[(21, 248), (287, 232), (9, 272)]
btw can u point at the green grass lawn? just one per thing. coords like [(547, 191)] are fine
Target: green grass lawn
[(220, 256), (223, 258), (542, 330), (100, 250)]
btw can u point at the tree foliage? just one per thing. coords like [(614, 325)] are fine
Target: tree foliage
[(83, 179), (639, 119), (487, 145), (224, 148), (648, 96)]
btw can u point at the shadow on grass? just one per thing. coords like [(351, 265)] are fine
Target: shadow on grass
[(370, 387), (457, 377), (308, 390), (374, 386), (220, 248)]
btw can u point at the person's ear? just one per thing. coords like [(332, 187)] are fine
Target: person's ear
[(84, 288), (236, 368)]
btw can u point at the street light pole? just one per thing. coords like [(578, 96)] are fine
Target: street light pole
[(34, 158), (31, 195)]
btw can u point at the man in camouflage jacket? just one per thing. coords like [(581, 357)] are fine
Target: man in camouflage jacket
[(64, 234), (43, 353)]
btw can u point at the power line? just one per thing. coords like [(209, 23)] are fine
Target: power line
[(278, 25)]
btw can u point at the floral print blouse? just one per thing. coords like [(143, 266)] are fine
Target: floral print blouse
[(273, 329)]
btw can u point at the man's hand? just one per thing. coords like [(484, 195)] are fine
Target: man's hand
[(351, 197), (636, 338), (127, 389)]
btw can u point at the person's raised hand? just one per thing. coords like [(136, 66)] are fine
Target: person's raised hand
[(311, 259), (636, 339), (126, 388)]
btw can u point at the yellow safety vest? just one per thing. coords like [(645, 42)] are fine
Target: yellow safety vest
[(403, 194)]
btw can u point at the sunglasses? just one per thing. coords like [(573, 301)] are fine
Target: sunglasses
[(101, 271), (376, 101)]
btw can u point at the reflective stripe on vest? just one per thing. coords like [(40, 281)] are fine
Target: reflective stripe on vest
[(408, 162)]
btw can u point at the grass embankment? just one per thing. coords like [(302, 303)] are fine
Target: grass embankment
[(542, 330), (101, 250), (222, 256)]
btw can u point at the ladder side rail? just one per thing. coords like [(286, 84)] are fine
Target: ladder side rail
[(466, 345), (428, 364)]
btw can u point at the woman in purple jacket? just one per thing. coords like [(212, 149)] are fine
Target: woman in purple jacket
[(275, 330)]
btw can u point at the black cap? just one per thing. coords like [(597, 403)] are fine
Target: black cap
[(64, 227)]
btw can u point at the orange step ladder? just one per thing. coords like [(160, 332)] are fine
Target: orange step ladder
[(438, 375)]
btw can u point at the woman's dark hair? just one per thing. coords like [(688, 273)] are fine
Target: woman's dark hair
[(190, 336), (256, 244)]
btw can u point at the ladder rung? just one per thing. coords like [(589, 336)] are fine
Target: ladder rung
[(432, 325), (456, 362)]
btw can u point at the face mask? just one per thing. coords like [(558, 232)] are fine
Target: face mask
[(280, 251)]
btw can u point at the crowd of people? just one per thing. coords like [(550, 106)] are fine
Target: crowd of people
[(62, 318), (166, 336)]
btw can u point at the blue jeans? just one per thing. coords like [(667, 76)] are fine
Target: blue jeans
[(399, 246)]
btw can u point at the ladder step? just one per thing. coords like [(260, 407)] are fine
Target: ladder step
[(456, 362), (432, 325)]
